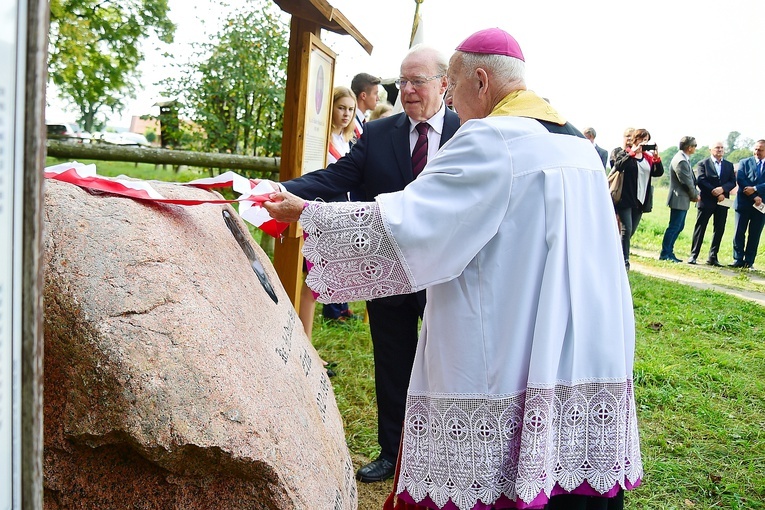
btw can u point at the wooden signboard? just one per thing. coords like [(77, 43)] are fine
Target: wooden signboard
[(307, 114), (320, 62)]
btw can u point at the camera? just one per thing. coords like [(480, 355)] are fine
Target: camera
[(649, 146)]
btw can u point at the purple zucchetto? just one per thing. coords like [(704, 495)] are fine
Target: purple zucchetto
[(492, 41)]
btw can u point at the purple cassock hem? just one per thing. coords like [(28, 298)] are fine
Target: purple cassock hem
[(539, 502)]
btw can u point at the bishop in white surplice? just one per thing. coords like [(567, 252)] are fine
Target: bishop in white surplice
[(522, 384)]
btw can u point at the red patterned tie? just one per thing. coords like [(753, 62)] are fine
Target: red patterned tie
[(420, 152)]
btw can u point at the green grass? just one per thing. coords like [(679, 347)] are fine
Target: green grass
[(700, 388), (699, 376), (144, 171)]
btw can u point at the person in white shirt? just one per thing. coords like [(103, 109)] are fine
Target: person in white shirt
[(367, 90), (339, 143), (715, 179), (750, 178)]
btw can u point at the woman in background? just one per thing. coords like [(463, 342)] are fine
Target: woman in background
[(339, 143), (382, 110), (638, 165)]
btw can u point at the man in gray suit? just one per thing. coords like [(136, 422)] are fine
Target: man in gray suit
[(682, 191), (589, 133)]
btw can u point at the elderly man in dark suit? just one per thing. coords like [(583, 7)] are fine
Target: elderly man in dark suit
[(682, 191), (715, 178), (389, 155), (751, 188)]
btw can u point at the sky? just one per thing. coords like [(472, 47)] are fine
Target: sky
[(674, 67)]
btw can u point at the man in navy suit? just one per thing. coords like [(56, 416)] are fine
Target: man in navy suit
[(715, 178), (382, 162), (751, 188)]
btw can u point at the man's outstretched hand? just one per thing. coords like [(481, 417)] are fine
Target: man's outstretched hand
[(284, 206)]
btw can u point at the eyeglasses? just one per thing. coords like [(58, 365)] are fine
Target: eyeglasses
[(417, 82)]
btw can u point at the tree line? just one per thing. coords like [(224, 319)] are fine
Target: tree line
[(737, 147), (231, 92)]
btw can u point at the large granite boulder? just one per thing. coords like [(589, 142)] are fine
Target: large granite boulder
[(174, 379)]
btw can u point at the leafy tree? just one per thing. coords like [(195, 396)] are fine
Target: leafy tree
[(731, 141), (735, 142), (701, 153), (738, 154), (667, 154), (235, 92), (95, 49)]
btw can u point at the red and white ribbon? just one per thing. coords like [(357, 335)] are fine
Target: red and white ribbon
[(251, 195)]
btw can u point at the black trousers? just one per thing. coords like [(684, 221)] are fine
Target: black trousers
[(394, 326), (720, 214)]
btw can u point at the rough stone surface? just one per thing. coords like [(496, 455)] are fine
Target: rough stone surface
[(172, 380)]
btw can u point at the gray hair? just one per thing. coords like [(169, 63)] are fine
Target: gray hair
[(686, 142), (506, 69), (439, 60)]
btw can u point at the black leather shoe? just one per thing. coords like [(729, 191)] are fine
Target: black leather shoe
[(713, 263), (376, 471), (692, 262), (736, 264)]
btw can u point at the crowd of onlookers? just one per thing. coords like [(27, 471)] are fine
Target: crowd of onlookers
[(709, 185)]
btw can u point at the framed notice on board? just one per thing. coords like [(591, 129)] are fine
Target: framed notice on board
[(12, 61), (318, 107)]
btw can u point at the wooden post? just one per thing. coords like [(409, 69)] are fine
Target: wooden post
[(37, 24), (308, 18), (288, 260), (267, 167), (22, 155)]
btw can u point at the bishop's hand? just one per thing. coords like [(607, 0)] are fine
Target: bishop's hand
[(284, 206)]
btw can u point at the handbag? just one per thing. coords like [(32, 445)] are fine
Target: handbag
[(615, 185)]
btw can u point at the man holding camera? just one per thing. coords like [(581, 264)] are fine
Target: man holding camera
[(682, 191)]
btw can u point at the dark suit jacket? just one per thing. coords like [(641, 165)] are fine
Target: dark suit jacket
[(707, 180), (603, 153), (747, 176), (380, 162)]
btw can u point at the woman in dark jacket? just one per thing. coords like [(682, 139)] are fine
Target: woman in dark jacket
[(638, 165)]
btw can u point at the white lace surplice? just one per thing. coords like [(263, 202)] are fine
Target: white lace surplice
[(523, 373)]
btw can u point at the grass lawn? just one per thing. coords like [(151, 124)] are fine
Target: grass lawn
[(146, 171)]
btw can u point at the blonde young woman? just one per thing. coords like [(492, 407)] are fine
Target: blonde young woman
[(340, 141)]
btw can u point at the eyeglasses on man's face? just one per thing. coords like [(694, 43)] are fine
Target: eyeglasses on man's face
[(415, 82)]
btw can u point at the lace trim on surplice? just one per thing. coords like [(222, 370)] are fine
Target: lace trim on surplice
[(373, 270), (473, 448)]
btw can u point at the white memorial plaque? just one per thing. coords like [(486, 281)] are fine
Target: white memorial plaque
[(12, 55)]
